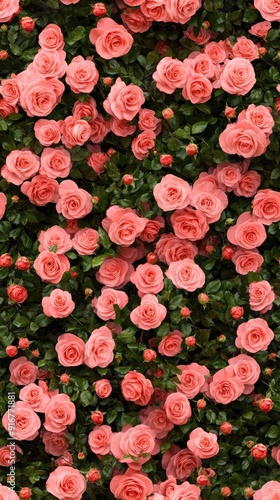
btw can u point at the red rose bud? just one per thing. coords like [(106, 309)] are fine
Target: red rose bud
[(221, 338), (35, 353), (11, 351), (159, 373), (209, 249), (259, 451), (111, 151), (166, 160), (167, 114), (5, 260), (94, 200), (262, 51), (230, 112), (228, 252), (268, 371), (64, 378), (73, 274), (25, 493), (225, 491), (17, 293), (272, 355), (205, 25), (151, 258), (93, 475), (266, 405), (3, 55), (202, 480), (81, 455), (185, 312), (203, 299), (15, 199), (128, 179), (97, 417), (88, 292), (149, 355), (23, 263), (23, 343), (191, 149), (27, 24), (226, 428), (250, 443), (108, 81), (201, 404), (248, 492), (99, 9), (190, 341), (237, 312)]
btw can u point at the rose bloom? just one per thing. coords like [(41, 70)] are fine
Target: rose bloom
[(99, 129), (22, 423), (259, 116), (247, 369), (123, 225), (66, 482), (110, 39), (135, 20), (156, 419), (6, 493), (142, 144), (193, 379), (58, 305), (269, 491), (99, 439), (181, 11), (210, 201), (131, 485), (114, 272), (254, 335), (40, 97), (104, 304), (35, 396), (121, 128), (245, 48), (238, 76), (261, 296), (203, 444), (152, 228), (269, 9), (172, 193), (198, 89), (49, 64), (124, 101), (73, 202), (181, 464), (23, 372), (85, 241), (81, 75), (137, 388), (186, 275), (6, 108), (216, 51), (70, 350), (55, 239), (189, 224), (244, 139), (225, 386), (47, 132), (11, 89), (148, 278), (228, 174), (55, 442), (150, 314), (99, 348), (260, 29), (41, 190), (148, 121), (247, 261), (97, 162), (178, 408), (137, 442), (275, 453), (20, 166), (75, 131), (102, 388), (51, 38), (201, 38), (7, 11), (50, 266), (55, 162), (170, 248), (247, 233), (186, 490), (170, 74), (266, 206), (248, 184), (85, 109), (59, 413), (5, 457), (171, 344), (17, 293)]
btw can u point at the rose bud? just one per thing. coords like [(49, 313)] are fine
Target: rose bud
[(97, 417), (99, 9), (128, 179), (111, 151), (237, 312), (272, 355), (88, 292), (4, 28), (225, 491), (149, 355), (190, 341), (226, 428), (35, 353), (11, 351), (185, 312), (268, 371), (5, 260), (201, 404), (81, 455), (250, 443), (248, 492), (203, 299), (25, 493), (205, 25), (202, 480), (167, 114), (262, 51), (159, 373), (23, 343), (209, 249), (64, 378), (151, 258), (166, 160), (221, 338), (191, 149), (15, 199), (17, 293), (230, 112), (228, 252), (94, 200), (3, 55), (259, 451), (93, 475), (108, 81), (22, 263), (266, 405), (27, 24)]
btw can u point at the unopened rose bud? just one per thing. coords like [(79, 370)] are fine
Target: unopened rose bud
[(225, 491), (203, 299), (97, 417), (22, 263), (228, 252), (268, 371), (159, 373), (17, 293), (11, 351), (226, 428), (81, 455), (205, 25), (23, 343), (111, 151), (27, 24), (35, 353), (64, 378), (221, 338), (185, 312), (250, 443), (190, 341), (191, 149), (266, 405), (4, 28), (166, 160), (93, 475), (272, 356), (15, 199), (149, 355), (73, 274), (94, 200), (230, 112), (262, 51), (167, 114), (5, 260), (108, 81), (128, 179), (248, 492), (151, 258), (25, 493), (3, 55), (229, 221), (237, 312), (201, 404), (259, 451), (155, 152), (99, 9), (209, 249), (88, 292), (202, 480)]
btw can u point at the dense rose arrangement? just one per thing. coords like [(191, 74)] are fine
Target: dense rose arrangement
[(139, 250)]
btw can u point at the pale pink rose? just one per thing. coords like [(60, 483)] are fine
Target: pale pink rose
[(99, 439), (170, 75), (172, 193), (59, 413), (64, 460), (186, 274), (8, 9), (266, 206), (124, 101), (40, 97), (150, 314), (260, 29), (49, 64), (75, 132), (110, 39), (65, 481), (170, 248), (73, 202), (152, 228), (6, 108), (154, 10), (142, 144), (245, 48), (156, 419), (102, 388), (165, 488), (7, 458), (99, 128), (51, 38), (35, 396), (186, 490), (20, 166), (212, 202), (181, 464), (181, 11), (247, 261), (55, 162), (104, 304), (11, 89), (85, 241), (254, 335), (228, 174), (99, 348), (70, 350), (147, 278), (243, 138), (123, 225), (55, 442), (85, 109), (137, 388), (247, 233), (201, 38), (198, 89), (131, 485), (23, 372), (41, 190), (178, 408), (135, 20), (148, 121), (248, 184), (201, 64), (171, 344), (275, 453), (97, 162), (50, 266), (203, 444), (238, 76), (138, 442), (3, 203), (225, 386), (47, 132), (193, 379), (216, 51), (269, 491), (121, 128), (21, 422), (114, 272), (261, 296), (6, 493), (81, 75), (189, 224), (55, 239), (58, 305), (269, 9), (247, 369), (259, 116)]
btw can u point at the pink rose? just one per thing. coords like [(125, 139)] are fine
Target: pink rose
[(186, 490), (85, 241), (203, 444), (132, 485), (6, 493), (245, 48), (142, 144), (40, 97), (201, 38), (137, 388), (47, 132), (73, 202), (209, 200), (7, 458), (3, 203), (104, 304), (66, 482), (20, 166), (170, 248), (110, 39), (35, 396), (260, 29), (225, 386), (51, 38), (123, 225), (247, 369), (81, 75), (266, 206), (181, 11), (170, 74), (198, 89), (244, 139), (247, 233), (55, 162), (181, 464), (154, 11), (186, 275), (97, 162), (254, 335), (99, 129), (58, 305), (248, 184), (55, 442), (261, 296), (178, 408), (275, 453), (238, 76), (54, 239), (50, 266), (172, 193), (85, 109), (148, 278), (228, 174), (124, 101), (70, 350), (75, 131), (99, 439), (148, 120), (121, 128), (171, 344), (156, 419), (193, 379), (11, 89), (135, 20), (23, 372), (189, 224), (150, 314), (99, 348), (137, 442), (21, 422), (41, 190), (152, 228), (247, 261), (259, 116), (269, 9), (102, 388), (49, 64), (114, 272), (59, 413), (269, 491), (6, 108)]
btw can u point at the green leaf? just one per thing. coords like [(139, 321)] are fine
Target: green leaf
[(127, 336), (199, 127), (111, 416), (86, 398), (75, 35), (250, 16), (104, 238), (97, 261), (174, 144), (21, 321)]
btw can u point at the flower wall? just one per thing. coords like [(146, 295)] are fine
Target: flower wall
[(139, 249)]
